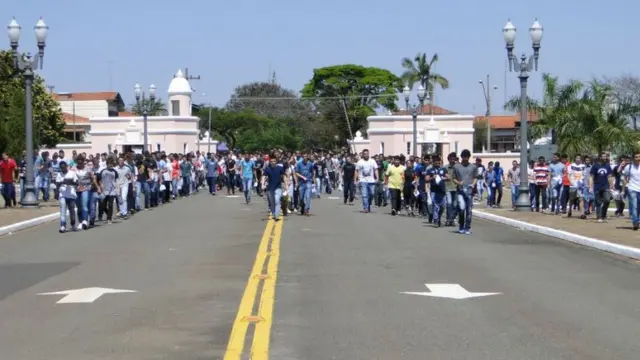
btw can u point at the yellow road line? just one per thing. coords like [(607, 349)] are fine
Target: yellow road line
[(262, 335), (241, 323)]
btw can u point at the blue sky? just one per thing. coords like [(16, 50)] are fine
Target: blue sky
[(233, 42)]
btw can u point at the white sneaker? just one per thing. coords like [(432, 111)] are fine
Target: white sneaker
[(62, 229), (79, 227)]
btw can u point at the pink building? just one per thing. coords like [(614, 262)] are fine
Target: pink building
[(392, 134)]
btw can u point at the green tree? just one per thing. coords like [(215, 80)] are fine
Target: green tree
[(346, 94), (48, 124), (156, 107), (481, 127), (585, 117), (420, 70)]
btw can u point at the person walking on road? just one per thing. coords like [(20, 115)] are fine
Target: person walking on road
[(306, 179), (273, 181), (248, 171), (366, 178)]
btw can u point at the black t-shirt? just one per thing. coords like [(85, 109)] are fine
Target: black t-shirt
[(348, 171), (231, 167), (318, 167), (408, 178), (259, 163), (143, 175)]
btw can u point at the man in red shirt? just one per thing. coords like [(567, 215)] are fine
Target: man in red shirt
[(8, 169)]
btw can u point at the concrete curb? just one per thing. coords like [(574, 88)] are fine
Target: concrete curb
[(5, 230), (617, 249)]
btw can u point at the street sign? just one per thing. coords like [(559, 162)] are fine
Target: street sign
[(450, 291), (86, 295)]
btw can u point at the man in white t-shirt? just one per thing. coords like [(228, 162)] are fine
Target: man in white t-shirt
[(631, 173), (366, 177)]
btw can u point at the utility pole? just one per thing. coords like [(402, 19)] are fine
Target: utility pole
[(487, 90), (189, 77)]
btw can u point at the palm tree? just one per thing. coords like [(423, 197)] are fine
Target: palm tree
[(156, 107), (420, 70), (585, 117)]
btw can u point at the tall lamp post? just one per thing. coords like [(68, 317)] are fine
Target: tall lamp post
[(209, 139), (145, 107), (421, 96), (488, 92), (523, 66), (27, 63)]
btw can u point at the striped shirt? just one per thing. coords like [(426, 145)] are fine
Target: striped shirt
[(542, 174)]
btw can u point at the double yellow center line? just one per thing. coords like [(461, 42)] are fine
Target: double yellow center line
[(265, 274)]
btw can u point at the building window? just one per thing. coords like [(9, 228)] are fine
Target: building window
[(175, 107), (382, 147), (408, 147), (184, 148), (159, 147), (456, 146), (109, 148)]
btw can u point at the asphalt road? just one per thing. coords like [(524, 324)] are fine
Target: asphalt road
[(188, 262), (338, 289), (342, 274)]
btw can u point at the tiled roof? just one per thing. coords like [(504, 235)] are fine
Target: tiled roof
[(69, 119), (426, 110), (509, 121), (87, 96), (125, 114)]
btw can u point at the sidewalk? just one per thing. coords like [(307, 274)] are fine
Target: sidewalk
[(616, 235), (14, 219)]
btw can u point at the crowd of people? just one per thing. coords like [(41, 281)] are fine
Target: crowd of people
[(91, 188)]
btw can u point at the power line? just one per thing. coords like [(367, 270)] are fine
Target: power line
[(313, 98)]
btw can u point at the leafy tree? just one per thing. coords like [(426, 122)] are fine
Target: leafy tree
[(156, 107), (420, 70), (250, 131), (270, 99), (481, 128), (586, 117), (627, 90), (48, 123), (346, 94)]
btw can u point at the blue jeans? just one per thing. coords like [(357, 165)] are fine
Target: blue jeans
[(7, 193), (452, 206), (634, 201), (70, 205), (174, 187), (480, 188), (83, 199), (439, 204), (212, 182), (305, 194), (465, 204), (43, 182), (186, 185), (514, 194), (247, 187), (274, 197), (22, 183), (532, 195), (142, 187), (368, 191)]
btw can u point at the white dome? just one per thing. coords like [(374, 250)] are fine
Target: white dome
[(179, 85)]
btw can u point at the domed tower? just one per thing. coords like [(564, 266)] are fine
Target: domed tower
[(179, 96)]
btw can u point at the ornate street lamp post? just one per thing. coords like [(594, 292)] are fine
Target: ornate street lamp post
[(421, 96), (145, 106), (27, 64), (524, 66)]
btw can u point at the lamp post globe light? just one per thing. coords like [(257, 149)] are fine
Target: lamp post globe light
[(523, 66), (27, 63), (145, 106), (422, 93)]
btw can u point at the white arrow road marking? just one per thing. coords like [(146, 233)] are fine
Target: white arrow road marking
[(86, 295), (333, 198), (450, 291), (233, 196)]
